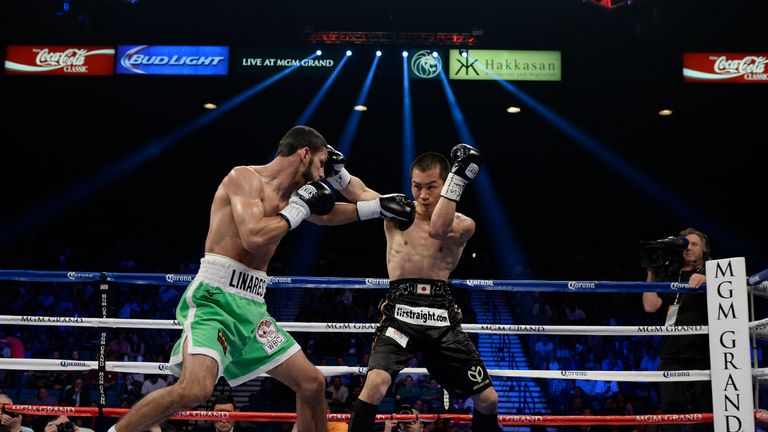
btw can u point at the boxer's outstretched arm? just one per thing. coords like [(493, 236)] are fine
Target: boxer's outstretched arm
[(356, 191)]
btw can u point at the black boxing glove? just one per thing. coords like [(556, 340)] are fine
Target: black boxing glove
[(312, 198), (335, 172), (393, 206), (466, 166)]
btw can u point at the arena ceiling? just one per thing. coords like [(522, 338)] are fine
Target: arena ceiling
[(572, 213)]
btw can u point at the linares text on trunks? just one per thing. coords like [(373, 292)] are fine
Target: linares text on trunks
[(248, 283)]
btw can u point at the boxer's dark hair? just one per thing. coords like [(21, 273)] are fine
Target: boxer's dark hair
[(426, 161), (299, 137)]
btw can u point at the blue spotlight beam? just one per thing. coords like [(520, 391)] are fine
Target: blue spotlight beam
[(508, 252), (304, 256), (408, 131), (350, 129), (39, 215), (309, 111), (678, 206)]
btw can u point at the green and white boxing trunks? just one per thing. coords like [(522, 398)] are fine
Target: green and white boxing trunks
[(224, 317)]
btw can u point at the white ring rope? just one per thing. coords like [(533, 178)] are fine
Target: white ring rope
[(368, 327), (162, 368)]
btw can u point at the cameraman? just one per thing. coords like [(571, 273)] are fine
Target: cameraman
[(62, 423), (690, 352)]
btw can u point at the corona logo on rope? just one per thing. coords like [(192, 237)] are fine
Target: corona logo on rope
[(68, 363), (376, 282), (279, 279), (570, 373), (75, 275), (479, 282), (573, 285), (676, 374), (178, 278)]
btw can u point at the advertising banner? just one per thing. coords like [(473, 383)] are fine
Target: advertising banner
[(475, 64), (172, 60), (270, 61), (425, 64), (59, 60), (725, 68)]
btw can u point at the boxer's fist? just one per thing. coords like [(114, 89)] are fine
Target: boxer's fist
[(335, 172), (312, 198), (393, 206), (466, 167)]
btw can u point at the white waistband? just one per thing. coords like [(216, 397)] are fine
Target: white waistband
[(233, 276)]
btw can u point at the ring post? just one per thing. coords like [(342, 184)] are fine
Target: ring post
[(732, 401)]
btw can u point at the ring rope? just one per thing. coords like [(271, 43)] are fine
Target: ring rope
[(162, 368), (367, 327), (360, 283), (520, 420)]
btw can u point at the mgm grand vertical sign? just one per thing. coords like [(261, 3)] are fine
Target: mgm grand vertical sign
[(270, 61)]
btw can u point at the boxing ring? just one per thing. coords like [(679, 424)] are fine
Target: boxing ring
[(758, 329)]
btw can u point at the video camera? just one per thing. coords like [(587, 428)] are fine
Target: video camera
[(665, 254)]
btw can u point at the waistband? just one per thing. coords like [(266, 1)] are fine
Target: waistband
[(425, 287), (233, 276)]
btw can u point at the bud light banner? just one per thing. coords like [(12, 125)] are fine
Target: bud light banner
[(725, 68), (172, 60), (59, 60)]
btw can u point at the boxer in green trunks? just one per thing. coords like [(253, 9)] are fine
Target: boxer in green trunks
[(226, 328)]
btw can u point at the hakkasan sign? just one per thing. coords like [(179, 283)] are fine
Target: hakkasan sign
[(472, 64)]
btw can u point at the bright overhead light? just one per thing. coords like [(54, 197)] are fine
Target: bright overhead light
[(349, 53), (665, 112), (318, 52), (209, 105), (405, 53), (378, 53), (513, 110), (361, 108), (434, 53)]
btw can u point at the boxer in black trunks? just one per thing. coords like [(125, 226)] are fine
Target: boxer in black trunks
[(419, 313)]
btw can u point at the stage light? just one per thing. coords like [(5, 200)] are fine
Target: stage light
[(361, 108), (513, 110), (405, 53), (434, 53), (210, 106), (349, 53), (665, 112), (318, 52), (378, 53)]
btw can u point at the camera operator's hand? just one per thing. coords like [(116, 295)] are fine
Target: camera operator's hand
[(650, 274), (697, 280)]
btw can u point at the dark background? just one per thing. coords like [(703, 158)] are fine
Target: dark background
[(574, 216)]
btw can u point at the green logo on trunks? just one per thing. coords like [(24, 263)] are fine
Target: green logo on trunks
[(268, 336)]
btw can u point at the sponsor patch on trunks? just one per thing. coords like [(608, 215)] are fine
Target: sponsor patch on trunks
[(398, 336), (422, 316)]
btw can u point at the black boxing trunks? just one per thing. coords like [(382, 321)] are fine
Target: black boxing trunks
[(420, 315)]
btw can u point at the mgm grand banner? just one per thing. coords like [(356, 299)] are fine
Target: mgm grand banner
[(270, 61), (476, 64)]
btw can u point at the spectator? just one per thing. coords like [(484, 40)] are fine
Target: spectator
[(336, 394), (222, 403), (76, 394), (407, 392), (152, 383), (43, 398), (11, 421)]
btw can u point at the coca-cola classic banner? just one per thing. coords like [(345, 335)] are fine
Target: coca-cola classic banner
[(59, 60), (725, 68)]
